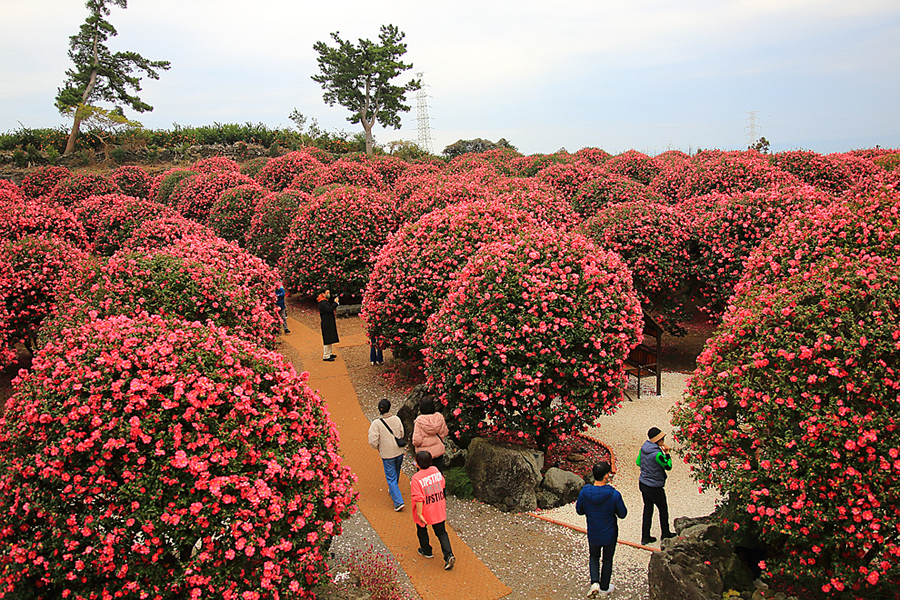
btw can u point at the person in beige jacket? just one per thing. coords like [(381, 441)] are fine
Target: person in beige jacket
[(383, 434), (429, 432)]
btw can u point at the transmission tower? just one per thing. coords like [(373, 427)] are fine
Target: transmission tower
[(752, 136), (423, 128)]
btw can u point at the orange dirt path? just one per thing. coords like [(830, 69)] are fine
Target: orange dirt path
[(470, 578)]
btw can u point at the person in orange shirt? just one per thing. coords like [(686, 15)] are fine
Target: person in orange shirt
[(430, 508)]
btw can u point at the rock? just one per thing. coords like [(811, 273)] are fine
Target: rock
[(454, 456), (697, 565), (546, 499), (410, 410), (504, 476), (565, 485), (347, 310), (682, 523)]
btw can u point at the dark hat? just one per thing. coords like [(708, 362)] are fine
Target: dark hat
[(655, 434)]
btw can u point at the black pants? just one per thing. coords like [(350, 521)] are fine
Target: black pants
[(601, 574), (441, 532), (654, 496)]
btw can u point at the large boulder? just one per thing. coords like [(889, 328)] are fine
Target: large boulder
[(409, 410), (563, 486), (504, 476), (699, 564)]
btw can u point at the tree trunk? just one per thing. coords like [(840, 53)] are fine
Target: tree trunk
[(369, 142), (76, 127)]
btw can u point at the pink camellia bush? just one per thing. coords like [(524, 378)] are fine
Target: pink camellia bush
[(279, 172), (111, 220), (215, 163), (533, 336), (733, 172), (438, 190), (340, 172), (793, 415), (151, 458), (79, 186), (568, 178), (389, 168), (31, 268), (415, 269), (20, 217), (594, 156), (634, 165), (132, 181), (42, 181), (675, 171), (252, 167), (166, 184), (7, 351), (194, 198), (9, 192), (727, 227), (167, 281), (271, 223), (824, 172), (334, 241), (536, 198), (653, 241), (164, 231), (606, 189), (232, 212)]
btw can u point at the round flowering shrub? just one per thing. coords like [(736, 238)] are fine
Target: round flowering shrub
[(132, 181), (165, 230), (674, 172), (111, 220), (279, 172), (607, 189), (40, 217), (7, 351), (793, 415), (231, 213), (733, 172), (440, 190), (351, 172), (815, 169), (165, 184), (31, 268), (271, 223), (10, 192), (309, 180), (635, 165), (414, 177), (389, 168), (215, 163), (537, 199), (334, 241), (594, 156), (194, 198), (42, 181), (654, 241), (145, 458), (530, 166), (567, 178), (726, 229), (252, 167), (533, 337), (415, 269), (79, 186), (167, 281)]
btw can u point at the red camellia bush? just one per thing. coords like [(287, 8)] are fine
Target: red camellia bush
[(607, 189), (340, 172), (389, 168), (415, 269), (653, 241), (20, 217), (434, 191), (132, 181), (726, 228), (793, 414), (165, 230), (168, 282), (594, 156), (733, 172), (150, 458), (42, 181), (7, 336), (194, 198), (533, 336), (111, 220), (634, 165), (817, 170), (279, 172), (232, 212), (215, 163), (271, 223), (567, 178), (334, 241), (536, 198), (78, 186), (10, 192), (31, 268), (166, 184)]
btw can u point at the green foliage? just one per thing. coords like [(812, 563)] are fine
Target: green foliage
[(253, 166), (119, 155), (358, 78), (458, 483), (20, 158), (477, 145), (761, 145), (170, 183)]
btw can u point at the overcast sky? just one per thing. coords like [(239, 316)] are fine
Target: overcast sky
[(822, 75)]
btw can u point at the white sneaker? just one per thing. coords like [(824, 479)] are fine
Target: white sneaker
[(604, 594), (595, 590)]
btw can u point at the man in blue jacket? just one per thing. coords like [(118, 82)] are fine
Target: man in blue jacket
[(602, 504), (654, 461)]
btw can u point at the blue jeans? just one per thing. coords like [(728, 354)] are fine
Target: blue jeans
[(376, 355), (598, 574), (392, 474)]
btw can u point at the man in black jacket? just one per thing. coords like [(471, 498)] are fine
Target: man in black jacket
[(329, 327), (654, 460)]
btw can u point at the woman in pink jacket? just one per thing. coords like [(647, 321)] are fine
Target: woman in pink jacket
[(429, 431)]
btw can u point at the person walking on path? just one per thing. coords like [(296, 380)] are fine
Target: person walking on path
[(654, 461), (383, 435), (429, 431), (282, 309), (430, 508), (376, 355), (329, 327), (602, 504)]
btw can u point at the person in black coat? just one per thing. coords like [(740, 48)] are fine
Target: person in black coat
[(329, 327)]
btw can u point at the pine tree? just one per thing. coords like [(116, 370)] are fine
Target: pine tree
[(98, 74)]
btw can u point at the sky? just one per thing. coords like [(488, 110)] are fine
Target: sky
[(821, 75)]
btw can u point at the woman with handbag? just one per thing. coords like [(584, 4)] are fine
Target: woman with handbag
[(386, 436)]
